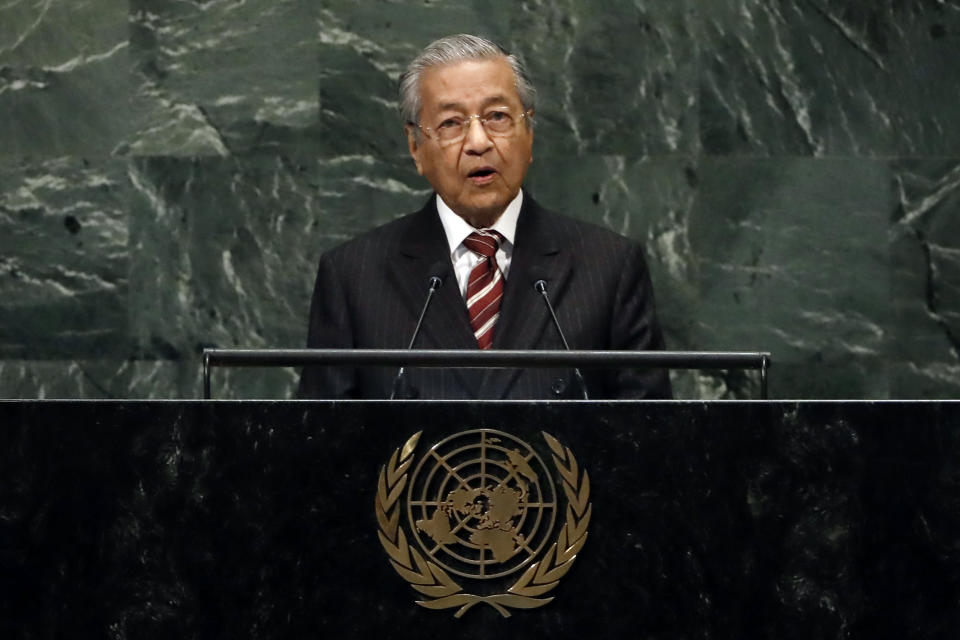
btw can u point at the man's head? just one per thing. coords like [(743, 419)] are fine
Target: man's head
[(468, 111)]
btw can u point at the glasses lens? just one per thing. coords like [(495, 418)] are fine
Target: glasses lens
[(449, 129), (498, 122)]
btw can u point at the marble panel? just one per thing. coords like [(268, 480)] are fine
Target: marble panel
[(64, 78), (620, 78), (219, 248), (225, 77), (925, 249), (88, 379), (239, 383), (233, 246), (849, 281), (63, 259), (110, 379), (617, 78), (828, 77), (792, 257)]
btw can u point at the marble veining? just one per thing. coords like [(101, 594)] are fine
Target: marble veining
[(926, 295), (170, 172), (829, 77), (63, 253), (64, 81), (219, 77)]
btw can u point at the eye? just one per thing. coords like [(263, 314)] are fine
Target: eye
[(449, 123), (496, 116)]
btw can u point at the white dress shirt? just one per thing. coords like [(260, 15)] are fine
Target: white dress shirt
[(457, 229)]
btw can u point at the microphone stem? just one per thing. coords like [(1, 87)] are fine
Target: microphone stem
[(556, 323), (435, 282), (542, 288), (434, 285)]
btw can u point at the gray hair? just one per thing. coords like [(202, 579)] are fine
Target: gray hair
[(450, 50)]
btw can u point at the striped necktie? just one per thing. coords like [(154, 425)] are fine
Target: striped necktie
[(485, 286)]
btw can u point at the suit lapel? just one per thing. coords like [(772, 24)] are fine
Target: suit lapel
[(446, 325), (538, 253)]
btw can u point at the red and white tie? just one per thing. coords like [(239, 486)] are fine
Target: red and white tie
[(485, 286)]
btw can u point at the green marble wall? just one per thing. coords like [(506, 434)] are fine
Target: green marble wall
[(170, 171)]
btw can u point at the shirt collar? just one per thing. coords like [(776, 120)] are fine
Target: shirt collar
[(457, 228)]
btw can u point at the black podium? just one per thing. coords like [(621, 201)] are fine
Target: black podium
[(216, 519)]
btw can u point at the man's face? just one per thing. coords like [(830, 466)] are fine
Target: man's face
[(479, 175)]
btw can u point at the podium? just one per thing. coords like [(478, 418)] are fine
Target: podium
[(227, 519)]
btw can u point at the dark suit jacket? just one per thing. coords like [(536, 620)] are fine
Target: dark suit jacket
[(369, 293)]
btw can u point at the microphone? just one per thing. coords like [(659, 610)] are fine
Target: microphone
[(540, 285), (438, 272)]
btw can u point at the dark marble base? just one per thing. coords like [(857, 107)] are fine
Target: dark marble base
[(256, 520)]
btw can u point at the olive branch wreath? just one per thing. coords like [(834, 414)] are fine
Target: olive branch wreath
[(442, 591)]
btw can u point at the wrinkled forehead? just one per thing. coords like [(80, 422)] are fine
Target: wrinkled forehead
[(469, 85)]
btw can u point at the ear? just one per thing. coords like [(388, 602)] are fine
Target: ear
[(414, 146), (529, 120)]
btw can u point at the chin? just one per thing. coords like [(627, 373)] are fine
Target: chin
[(488, 201)]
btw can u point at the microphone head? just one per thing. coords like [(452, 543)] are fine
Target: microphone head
[(438, 272)]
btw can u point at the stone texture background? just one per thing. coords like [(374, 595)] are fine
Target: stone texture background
[(170, 171)]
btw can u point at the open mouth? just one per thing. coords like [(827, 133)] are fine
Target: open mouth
[(483, 172)]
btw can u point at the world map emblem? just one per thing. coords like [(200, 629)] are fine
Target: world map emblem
[(481, 517)]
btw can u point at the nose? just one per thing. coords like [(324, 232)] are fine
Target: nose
[(476, 141)]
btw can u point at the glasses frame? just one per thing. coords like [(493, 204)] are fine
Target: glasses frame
[(465, 126)]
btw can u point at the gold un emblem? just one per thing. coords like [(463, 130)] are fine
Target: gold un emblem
[(481, 509)]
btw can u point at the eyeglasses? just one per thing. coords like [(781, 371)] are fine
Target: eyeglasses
[(496, 123)]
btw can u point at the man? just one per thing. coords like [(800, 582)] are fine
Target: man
[(468, 110)]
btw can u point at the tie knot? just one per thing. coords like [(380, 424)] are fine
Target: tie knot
[(484, 242)]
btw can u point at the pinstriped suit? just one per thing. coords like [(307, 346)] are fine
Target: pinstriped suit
[(369, 293)]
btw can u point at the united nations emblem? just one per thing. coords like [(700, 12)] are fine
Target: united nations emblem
[(482, 505)]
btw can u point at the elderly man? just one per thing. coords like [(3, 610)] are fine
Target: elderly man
[(468, 109)]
